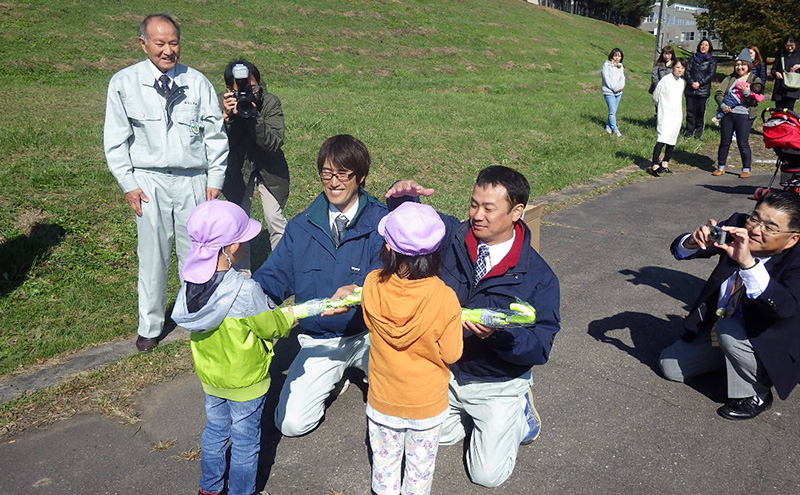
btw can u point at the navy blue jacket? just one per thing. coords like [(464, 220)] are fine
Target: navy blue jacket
[(508, 353), (307, 265)]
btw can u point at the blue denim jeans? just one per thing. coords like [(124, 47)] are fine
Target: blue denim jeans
[(241, 423), (613, 103)]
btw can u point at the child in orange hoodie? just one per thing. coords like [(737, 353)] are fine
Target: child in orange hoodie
[(414, 323)]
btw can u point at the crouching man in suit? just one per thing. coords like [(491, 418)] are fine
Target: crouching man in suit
[(747, 317)]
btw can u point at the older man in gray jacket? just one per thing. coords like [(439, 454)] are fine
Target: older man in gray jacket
[(166, 147)]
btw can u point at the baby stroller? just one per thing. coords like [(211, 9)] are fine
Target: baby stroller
[(782, 134)]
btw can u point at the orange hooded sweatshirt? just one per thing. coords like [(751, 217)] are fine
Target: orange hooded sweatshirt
[(415, 332)]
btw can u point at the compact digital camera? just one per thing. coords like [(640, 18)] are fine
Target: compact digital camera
[(718, 235)]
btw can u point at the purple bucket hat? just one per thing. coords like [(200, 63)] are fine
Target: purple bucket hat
[(412, 229), (212, 226)]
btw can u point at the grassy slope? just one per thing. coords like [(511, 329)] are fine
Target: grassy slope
[(436, 90)]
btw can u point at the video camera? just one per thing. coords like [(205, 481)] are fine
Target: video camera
[(245, 99)]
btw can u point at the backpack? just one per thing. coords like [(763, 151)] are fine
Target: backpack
[(782, 129)]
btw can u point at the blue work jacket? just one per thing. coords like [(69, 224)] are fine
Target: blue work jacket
[(306, 263), (512, 352)]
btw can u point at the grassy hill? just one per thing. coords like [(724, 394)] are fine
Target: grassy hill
[(437, 91)]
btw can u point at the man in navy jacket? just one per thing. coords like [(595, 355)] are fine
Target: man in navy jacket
[(489, 262), (747, 316), (332, 243)]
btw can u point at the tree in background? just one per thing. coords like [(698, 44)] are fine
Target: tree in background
[(628, 12), (741, 23)]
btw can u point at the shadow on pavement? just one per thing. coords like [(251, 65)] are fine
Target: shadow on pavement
[(648, 333), (676, 284), (285, 351), (747, 190)]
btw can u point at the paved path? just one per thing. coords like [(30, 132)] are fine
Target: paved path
[(611, 425)]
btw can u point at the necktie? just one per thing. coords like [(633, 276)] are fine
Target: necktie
[(163, 86), (339, 223), (730, 308), (481, 265)]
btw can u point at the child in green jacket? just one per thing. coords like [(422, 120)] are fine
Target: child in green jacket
[(232, 323)]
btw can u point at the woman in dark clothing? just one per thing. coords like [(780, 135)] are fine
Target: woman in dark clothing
[(662, 67), (783, 96), (759, 66), (699, 74)]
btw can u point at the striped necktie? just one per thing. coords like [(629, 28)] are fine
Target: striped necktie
[(481, 264)]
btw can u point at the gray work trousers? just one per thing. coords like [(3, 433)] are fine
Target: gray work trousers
[(172, 194)]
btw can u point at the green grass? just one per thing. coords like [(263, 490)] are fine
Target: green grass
[(437, 91)]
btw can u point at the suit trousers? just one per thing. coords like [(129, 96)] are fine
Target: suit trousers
[(172, 194), (745, 374), (496, 411)]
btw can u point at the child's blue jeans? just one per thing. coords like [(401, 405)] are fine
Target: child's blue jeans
[(241, 423)]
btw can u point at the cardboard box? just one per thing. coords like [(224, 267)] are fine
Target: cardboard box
[(532, 216)]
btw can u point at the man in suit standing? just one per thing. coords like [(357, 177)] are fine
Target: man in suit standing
[(747, 316), (165, 145)]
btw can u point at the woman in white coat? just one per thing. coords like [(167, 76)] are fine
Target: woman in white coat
[(668, 97)]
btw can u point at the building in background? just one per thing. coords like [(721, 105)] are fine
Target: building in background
[(679, 26)]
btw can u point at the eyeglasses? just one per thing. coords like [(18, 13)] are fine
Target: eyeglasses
[(327, 175), (753, 220)]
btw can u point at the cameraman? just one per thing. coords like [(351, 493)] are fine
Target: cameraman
[(254, 121)]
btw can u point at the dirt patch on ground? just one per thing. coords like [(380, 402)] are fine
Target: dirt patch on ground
[(28, 219)]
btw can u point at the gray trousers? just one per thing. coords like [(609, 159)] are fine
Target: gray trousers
[(745, 374), (173, 194), (496, 411)]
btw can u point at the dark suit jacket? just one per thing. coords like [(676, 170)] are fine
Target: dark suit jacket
[(772, 320)]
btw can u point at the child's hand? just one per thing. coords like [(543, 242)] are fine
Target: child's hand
[(288, 314), (334, 311)]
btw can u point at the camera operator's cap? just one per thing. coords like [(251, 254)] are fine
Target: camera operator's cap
[(212, 226), (412, 229)]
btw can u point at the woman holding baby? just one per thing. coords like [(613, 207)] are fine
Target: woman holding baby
[(742, 86)]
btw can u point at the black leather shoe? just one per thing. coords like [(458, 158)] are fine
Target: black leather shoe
[(145, 345), (747, 408)]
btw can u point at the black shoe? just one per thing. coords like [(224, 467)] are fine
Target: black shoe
[(146, 345), (747, 408), (655, 172), (687, 136)]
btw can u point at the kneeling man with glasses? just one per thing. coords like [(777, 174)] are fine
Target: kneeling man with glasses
[(747, 316)]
